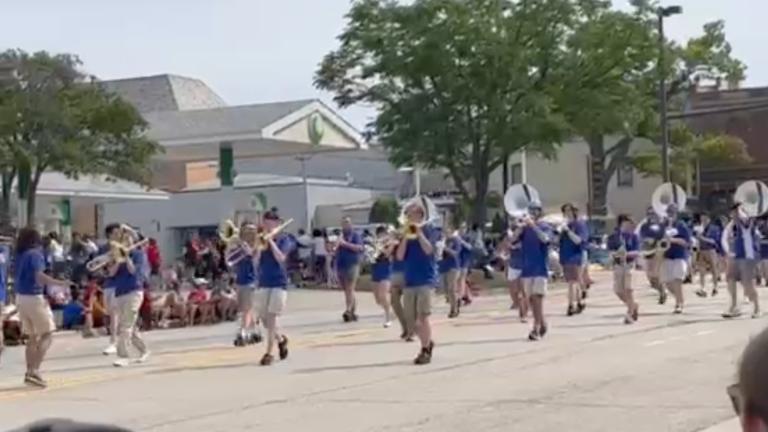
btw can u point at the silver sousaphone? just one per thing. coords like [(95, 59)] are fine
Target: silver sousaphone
[(519, 199), (753, 197), (665, 196)]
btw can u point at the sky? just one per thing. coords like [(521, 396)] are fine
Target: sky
[(251, 51)]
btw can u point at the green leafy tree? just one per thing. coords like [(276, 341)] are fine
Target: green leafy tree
[(687, 150), (385, 210), (458, 84), (55, 118), (613, 62)]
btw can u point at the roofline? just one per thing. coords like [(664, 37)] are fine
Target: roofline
[(272, 129)]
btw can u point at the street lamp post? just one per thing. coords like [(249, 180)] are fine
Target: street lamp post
[(664, 12), (305, 186)]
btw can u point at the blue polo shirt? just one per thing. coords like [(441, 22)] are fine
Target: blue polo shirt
[(28, 265), (419, 267), (651, 231), (712, 232), (126, 282), (398, 266), (450, 262), (245, 272), (740, 231), (570, 252), (676, 251), (516, 256), (5, 257), (272, 273), (535, 252), (347, 258), (630, 240), (465, 253)]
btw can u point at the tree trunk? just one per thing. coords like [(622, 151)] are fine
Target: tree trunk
[(479, 207), (603, 166), (32, 197), (5, 205)]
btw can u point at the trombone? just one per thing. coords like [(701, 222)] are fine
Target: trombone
[(118, 253), (264, 238)]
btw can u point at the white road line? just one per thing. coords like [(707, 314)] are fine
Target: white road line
[(654, 343), (704, 332)]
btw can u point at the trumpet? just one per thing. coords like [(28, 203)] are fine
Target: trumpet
[(411, 231), (118, 253)]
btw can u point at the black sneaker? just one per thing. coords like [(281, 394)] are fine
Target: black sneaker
[(430, 347), (409, 338), (282, 348), (353, 316), (701, 293), (403, 335), (533, 335), (571, 311), (543, 331), (423, 358), (584, 294), (714, 292), (255, 338), (580, 306), (346, 316), (239, 341), (267, 360), (662, 297)]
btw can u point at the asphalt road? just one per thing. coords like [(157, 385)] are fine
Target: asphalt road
[(591, 373)]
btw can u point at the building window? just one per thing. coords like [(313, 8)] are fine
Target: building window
[(625, 174), (516, 173)]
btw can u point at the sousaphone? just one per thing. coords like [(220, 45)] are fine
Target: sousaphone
[(666, 195), (752, 196), (519, 199)]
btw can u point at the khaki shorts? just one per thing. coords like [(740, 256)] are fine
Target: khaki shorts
[(417, 302), (706, 260), (572, 272), (348, 276), (271, 301), (245, 297), (397, 279), (110, 304), (740, 270), (622, 278), (35, 315), (672, 270), (535, 286)]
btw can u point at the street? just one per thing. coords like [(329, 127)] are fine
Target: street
[(591, 372)]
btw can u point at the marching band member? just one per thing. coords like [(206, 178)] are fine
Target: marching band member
[(272, 294), (651, 232), (418, 256), (535, 239), (763, 231), (674, 268), (449, 268), (624, 244), (381, 273), (34, 311), (5, 260), (348, 266), (510, 250), (573, 249), (743, 244), (245, 286), (128, 280), (112, 232), (708, 235)]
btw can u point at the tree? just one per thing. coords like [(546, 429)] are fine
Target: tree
[(385, 210), (687, 150), (458, 84), (54, 117), (614, 61)]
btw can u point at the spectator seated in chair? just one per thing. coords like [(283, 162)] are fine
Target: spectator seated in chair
[(200, 308), (225, 301), (12, 326)]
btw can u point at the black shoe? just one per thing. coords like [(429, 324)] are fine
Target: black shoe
[(409, 338), (636, 312), (353, 316), (282, 348), (467, 300), (580, 306), (239, 341), (543, 331), (533, 335), (688, 280), (714, 292), (430, 347), (662, 298), (346, 316), (701, 293), (584, 294), (255, 339), (571, 311), (423, 358), (403, 335), (267, 360)]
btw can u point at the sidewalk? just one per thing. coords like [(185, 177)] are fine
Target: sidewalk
[(731, 425)]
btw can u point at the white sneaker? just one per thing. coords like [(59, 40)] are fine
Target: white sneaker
[(388, 324), (732, 313), (756, 314), (110, 350), (144, 357), (122, 362)]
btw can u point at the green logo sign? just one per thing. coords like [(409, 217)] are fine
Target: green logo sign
[(258, 202), (316, 128)]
